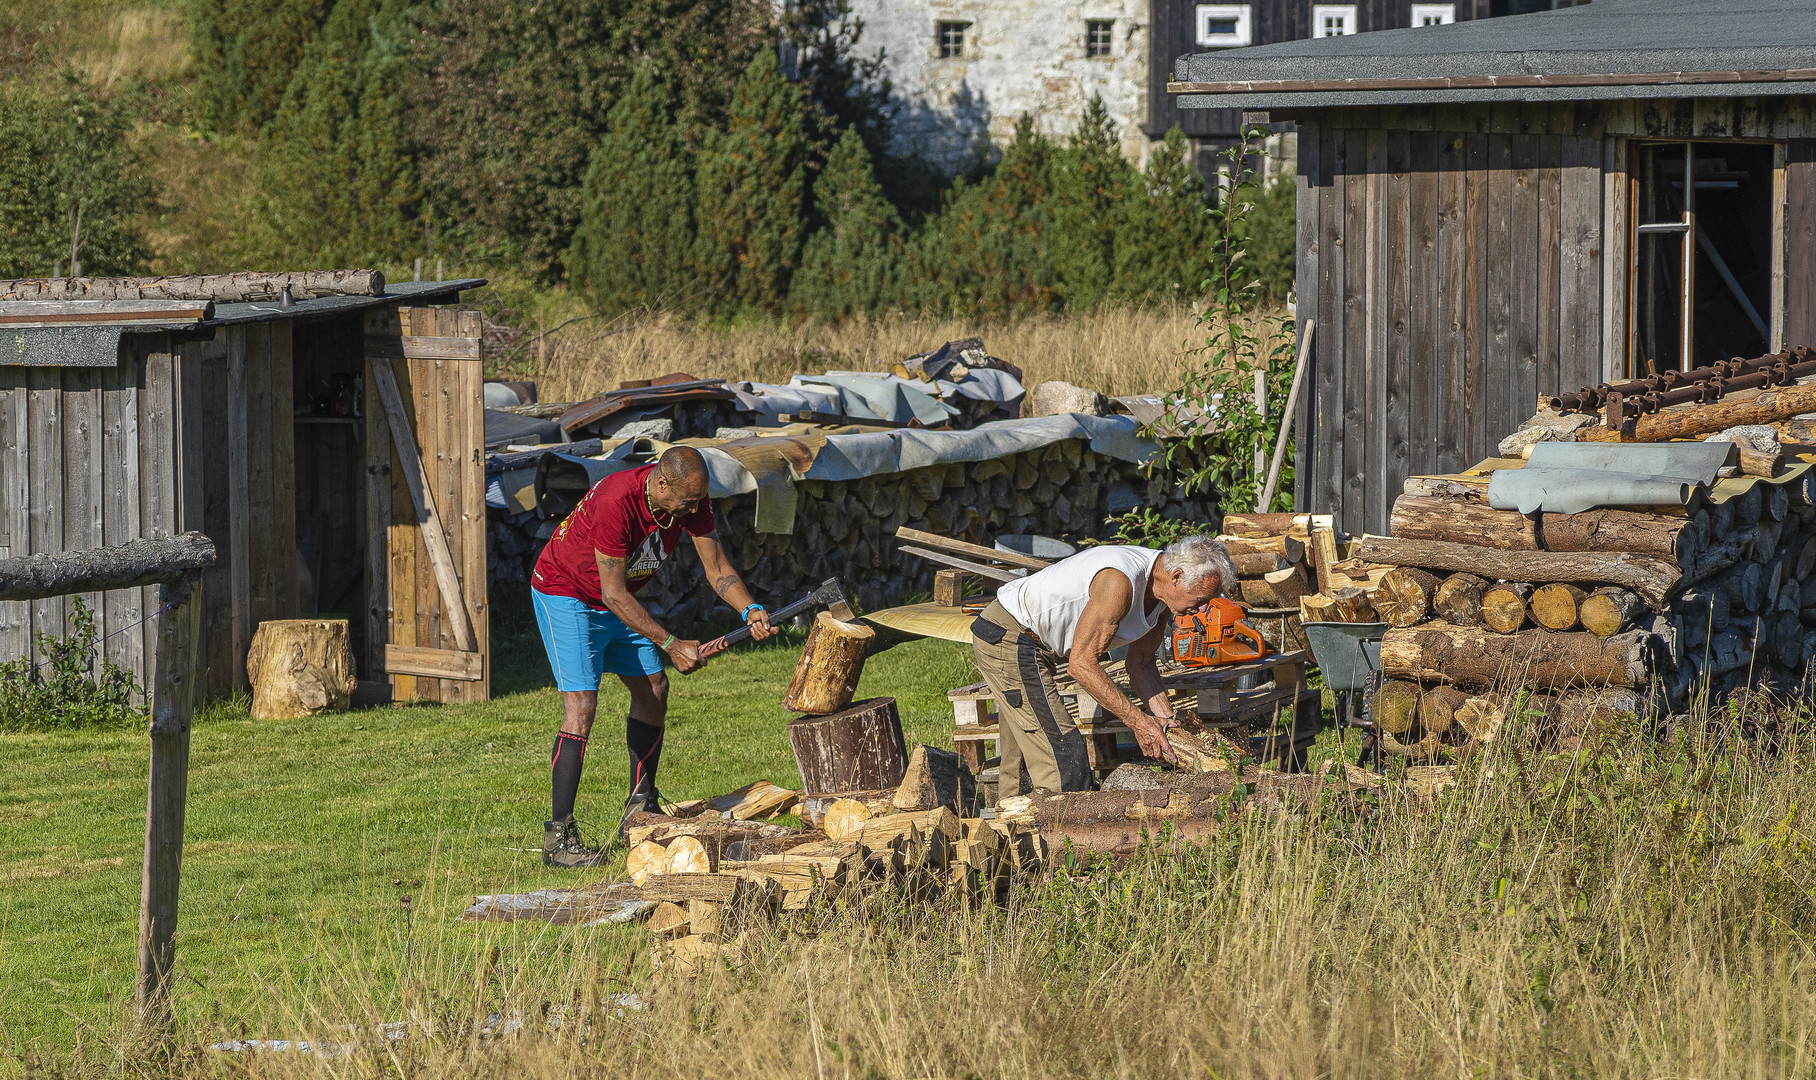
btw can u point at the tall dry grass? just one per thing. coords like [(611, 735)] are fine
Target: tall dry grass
[(1641, 911), (1116, 351)]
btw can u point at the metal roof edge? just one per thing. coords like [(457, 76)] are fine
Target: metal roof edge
[(324, 307), (1340, 99)]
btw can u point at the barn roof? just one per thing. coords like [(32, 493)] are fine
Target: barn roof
[(1606, 49)]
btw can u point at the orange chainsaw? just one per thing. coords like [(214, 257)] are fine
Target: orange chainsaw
[(1216, 635)]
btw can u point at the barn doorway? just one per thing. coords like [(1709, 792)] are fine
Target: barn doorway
[(1704, 251)]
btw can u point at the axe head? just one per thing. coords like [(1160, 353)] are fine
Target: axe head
[(832, 595)]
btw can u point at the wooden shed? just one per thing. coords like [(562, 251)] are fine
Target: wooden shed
[(1490, 211), (261, 423)]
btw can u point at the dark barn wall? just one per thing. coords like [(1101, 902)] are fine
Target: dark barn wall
[(1461, 260)]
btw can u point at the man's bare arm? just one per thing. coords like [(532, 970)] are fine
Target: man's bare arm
[(1144, 673), (616, 594), (719, 570), (1109, 601)]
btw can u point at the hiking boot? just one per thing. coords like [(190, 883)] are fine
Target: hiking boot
[(639, 802), (562, 846)]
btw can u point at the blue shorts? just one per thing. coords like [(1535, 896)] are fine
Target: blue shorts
[(584, 643)]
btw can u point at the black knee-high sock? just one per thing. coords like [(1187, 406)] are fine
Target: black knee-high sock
[(645, 743), (564, 767)]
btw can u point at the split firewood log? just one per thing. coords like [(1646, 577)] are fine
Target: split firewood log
[(668, 920), (645, 859), (1396, 706), (1554, 606), (1481, 719), (1608, 611), (1504, 607), (1266, 525), (1459, 599), (687, 855), (1539, 659), (1404, 596), (845, 818), (1438, 708), (936, 778), (1288, 548)]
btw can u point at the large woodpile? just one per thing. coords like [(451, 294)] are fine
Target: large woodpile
[(1599, 613), (846, 529)]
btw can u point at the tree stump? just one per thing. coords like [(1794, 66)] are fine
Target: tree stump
[(858, 749), (300, 667), (826, 676)]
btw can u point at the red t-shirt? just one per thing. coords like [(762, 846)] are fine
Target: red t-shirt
[(613, 518)]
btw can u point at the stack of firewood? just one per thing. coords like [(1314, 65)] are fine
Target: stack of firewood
[(1596, 613), (711, 881)]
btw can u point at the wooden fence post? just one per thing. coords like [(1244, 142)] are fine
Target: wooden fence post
[(172, 704)]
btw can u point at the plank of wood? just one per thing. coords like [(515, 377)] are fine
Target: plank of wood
[(471, 464), (1476, 374), (973, 551), (82, 459), (261, 480), (1579, 265), (994, 573), (1397, 390), (1549, 239), (1306, 180), (1328, 370), (424, 347), (44, 502), (1357, 401), (15, 534), (417, 479), (403, 538), (1423, 317), (433, 663)]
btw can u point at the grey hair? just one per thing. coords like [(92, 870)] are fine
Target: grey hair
[(1199, 556)]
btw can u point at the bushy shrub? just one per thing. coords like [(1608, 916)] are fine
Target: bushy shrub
[(65, 691), (72, 182), (244, 53)]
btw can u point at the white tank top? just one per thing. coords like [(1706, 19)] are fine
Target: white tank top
[(1050, 601)]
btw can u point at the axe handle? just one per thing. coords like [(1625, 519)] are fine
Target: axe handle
[(720, 644)]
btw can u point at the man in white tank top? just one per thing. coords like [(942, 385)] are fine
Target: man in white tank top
[(1076, 610)]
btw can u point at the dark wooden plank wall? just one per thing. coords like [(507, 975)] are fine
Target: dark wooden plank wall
[(1173, 32), (330, 486), (1468, 258), (1438, 242), (86, 461)]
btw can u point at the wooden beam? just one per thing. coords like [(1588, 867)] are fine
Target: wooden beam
[(434, 539), (434, 663), (1490, 82), (423, 347), (994, 573), (127, 566), (975, 551), (23, 314)]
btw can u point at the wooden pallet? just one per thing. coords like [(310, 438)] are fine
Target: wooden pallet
[(1212, 694)]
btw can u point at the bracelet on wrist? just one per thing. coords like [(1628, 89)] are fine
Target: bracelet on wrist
[(664, 646), (745, 614)]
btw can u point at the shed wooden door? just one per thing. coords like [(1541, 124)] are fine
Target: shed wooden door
[(415, 637)]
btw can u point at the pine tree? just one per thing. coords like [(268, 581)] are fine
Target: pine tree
[(853, 264), (1091, 183), (985, 253), (337, 180), (752, 184), (244, 53), (635, 244), (1162, 249)]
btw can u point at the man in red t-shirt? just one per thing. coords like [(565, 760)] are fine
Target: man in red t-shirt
[(585, 594)]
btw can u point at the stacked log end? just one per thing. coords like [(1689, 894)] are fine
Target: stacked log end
[(1592, 613)]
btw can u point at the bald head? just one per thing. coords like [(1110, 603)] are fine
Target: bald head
[(683, 467)]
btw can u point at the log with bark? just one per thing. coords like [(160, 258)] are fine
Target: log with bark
[(1253, 564), (1458, 599), (1649, 576), (1404, 596), (1504, 606), (1420, 517), (826, 676), (160, 561), (300, 667), (1438, 708), (241, 287), (1276, 589), (1666, 536), (1608, 611), (1395, 706), (1537, 659), (1554, 606), (1767, 406), (857, 749)]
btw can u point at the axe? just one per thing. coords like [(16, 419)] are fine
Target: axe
[(829, 593)]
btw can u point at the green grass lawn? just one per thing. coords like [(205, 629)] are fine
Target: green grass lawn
[(297, 831)]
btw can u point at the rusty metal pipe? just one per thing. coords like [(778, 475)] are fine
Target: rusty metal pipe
[(1593, 398)]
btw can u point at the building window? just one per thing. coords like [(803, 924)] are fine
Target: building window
[(1333, 20), (1223, 26), (1433, 14), (1700, 286), (1097, 37), (952, 40)]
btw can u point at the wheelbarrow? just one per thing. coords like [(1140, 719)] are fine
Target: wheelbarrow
[(1349, 658)]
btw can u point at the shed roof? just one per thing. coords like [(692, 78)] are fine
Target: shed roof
[(323, 307), (1607, 49)]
